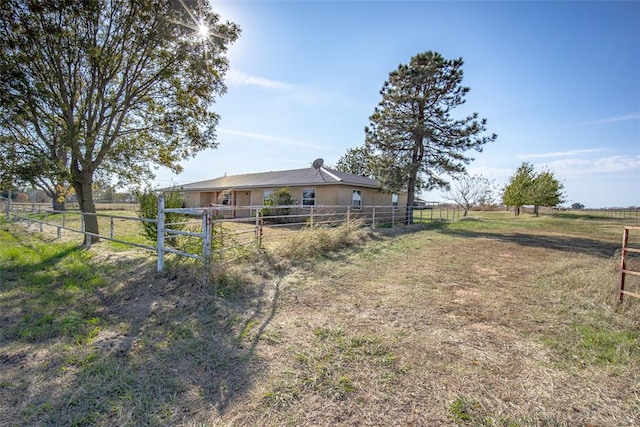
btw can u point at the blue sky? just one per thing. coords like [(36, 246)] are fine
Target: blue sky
[(559, 82)]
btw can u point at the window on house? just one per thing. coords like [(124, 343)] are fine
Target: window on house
[(309, 197), (356, 199), (394, 201), (266, 197)]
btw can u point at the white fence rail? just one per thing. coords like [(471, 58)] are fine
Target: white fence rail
[(219, 231), (73, 221)]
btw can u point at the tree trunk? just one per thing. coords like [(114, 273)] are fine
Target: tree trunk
[(58, 206), (535, 210), (416, 158), (58, 198), (83, 185), (410, 201)]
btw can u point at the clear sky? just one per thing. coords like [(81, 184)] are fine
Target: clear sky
[(559, 82)]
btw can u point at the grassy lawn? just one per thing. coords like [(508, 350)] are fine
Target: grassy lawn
[(490, 321), (111, 224)]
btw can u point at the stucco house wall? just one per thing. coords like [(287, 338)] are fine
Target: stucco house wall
[(332, 188), (329, 195)]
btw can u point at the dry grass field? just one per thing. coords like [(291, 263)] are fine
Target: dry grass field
[(490, 321)]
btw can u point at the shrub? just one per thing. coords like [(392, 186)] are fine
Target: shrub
[(279, 197), (148, 209)]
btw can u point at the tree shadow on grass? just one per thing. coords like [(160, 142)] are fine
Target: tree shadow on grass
[(164, 349), (35, 287), (578, 245)]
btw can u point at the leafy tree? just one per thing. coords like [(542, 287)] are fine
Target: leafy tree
[(356, 161), (577, 206), (528, 187), (467, 191), (412, 135), (26, 162), (8, 182), (109, 88), (546, 191), (516, 192)]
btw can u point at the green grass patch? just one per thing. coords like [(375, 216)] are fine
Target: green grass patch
[(468, 411), (607, 346), (46, 285), (283, 392)]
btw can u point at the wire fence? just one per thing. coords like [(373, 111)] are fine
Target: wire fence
[(624, 213)]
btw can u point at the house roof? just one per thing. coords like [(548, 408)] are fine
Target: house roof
[(279, 179)]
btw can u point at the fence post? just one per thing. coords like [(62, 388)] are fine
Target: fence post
[(7, 204), (373, 218), (256, 228), (206, 245), (111, 231), (625, 241), (311, 218), (393, 217), (87, 237), (259, 227), (348, 214), (160, 232), (33, 211)]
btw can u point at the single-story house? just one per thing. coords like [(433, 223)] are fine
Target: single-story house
[(313, 186)]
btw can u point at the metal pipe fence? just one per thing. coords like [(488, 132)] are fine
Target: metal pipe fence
[(219, 233), (74, 221)]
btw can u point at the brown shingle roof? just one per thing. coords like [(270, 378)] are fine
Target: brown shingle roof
[(277, 179)]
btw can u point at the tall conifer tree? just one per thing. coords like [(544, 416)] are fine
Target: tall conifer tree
[(413, 135)]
